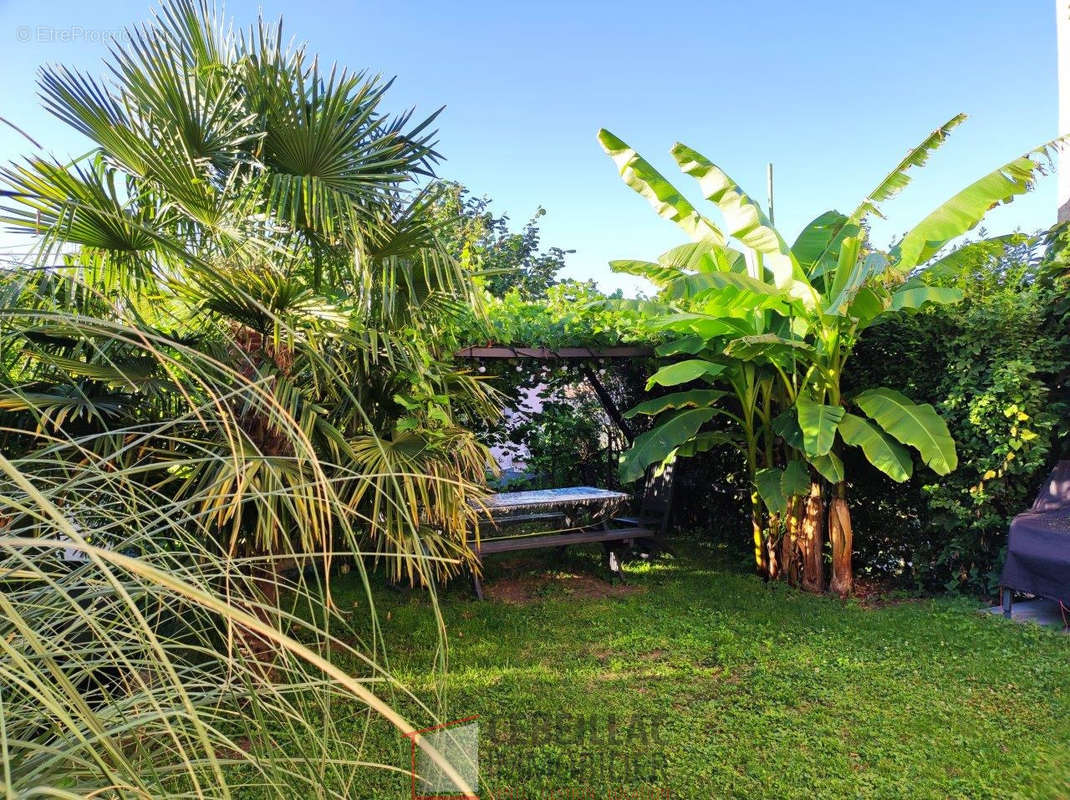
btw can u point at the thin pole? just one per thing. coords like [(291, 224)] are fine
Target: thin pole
[(769, 191)]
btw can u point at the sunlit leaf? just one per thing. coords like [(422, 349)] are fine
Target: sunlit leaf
[(818, 424), (830, 466), (963, 211), (882, 451), (915, 425), (684, 372), (654, 445), (665, 199)]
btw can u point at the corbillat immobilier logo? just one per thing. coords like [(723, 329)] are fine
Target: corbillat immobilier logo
[(457, 743)]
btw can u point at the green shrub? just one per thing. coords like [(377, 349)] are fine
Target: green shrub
[(990, 365), (570, 442), (572, 314)]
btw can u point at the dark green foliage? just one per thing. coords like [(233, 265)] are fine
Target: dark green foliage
[(571, 443), (571, 440), (711, 493), (991, 367)]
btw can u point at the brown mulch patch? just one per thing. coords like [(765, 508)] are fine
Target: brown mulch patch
[(873, 593), (522, 589), (657, 654)]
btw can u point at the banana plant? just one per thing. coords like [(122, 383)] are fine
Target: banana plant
[(712, 294), (751, 305)]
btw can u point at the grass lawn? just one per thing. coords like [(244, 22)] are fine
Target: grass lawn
[(698, 681)]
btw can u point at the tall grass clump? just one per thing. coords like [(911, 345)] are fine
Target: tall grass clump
[(140, 654)]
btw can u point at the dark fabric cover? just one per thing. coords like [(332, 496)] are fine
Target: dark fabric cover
[(1038, 551), (1055, 494)]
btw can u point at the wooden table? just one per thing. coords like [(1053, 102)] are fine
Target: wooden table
[(548, 505), (569, 497)]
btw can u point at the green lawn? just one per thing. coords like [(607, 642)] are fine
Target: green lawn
[(716, 685)]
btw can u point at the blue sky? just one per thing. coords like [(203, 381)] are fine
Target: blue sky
[(832, 93)]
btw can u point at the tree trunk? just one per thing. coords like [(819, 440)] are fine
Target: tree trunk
[(774, 566), (256, 593), (842, 538), (812, 540), (761, 563), (791, 564)]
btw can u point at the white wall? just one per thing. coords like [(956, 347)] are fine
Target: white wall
[(1062, 31)]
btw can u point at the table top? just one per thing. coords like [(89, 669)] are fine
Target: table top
[(553, 498)]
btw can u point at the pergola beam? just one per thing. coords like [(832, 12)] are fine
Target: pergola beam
[(550, 354)]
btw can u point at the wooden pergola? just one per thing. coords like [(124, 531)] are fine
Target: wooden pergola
[(581, 356), (630, 529)]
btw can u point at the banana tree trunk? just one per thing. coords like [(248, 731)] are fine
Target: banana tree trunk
[(842, 538), (761, 563), (812, 540), (791, 563), (774, 565)]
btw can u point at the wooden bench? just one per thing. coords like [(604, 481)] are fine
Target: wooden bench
[(521, 519), (537, 541)]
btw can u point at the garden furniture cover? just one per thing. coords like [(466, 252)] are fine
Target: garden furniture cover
[(1038, 550)]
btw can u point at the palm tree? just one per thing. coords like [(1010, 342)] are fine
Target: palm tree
[(241, 200)]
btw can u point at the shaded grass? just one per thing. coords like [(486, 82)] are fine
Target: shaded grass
[(703, 682)]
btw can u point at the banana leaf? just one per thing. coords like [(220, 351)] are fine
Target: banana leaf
[(915, 294), (818, 424), (769, 483), (830, 466), (893, 183), (663, 197), (915, 425), (658, 443), (883, 452), (744, 218), (684, 372), (796, 479), (701, 398), (963, 211)]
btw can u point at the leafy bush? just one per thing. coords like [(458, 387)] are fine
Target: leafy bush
[(572, 314), (991, 366), (506, 260), (570, 441)]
